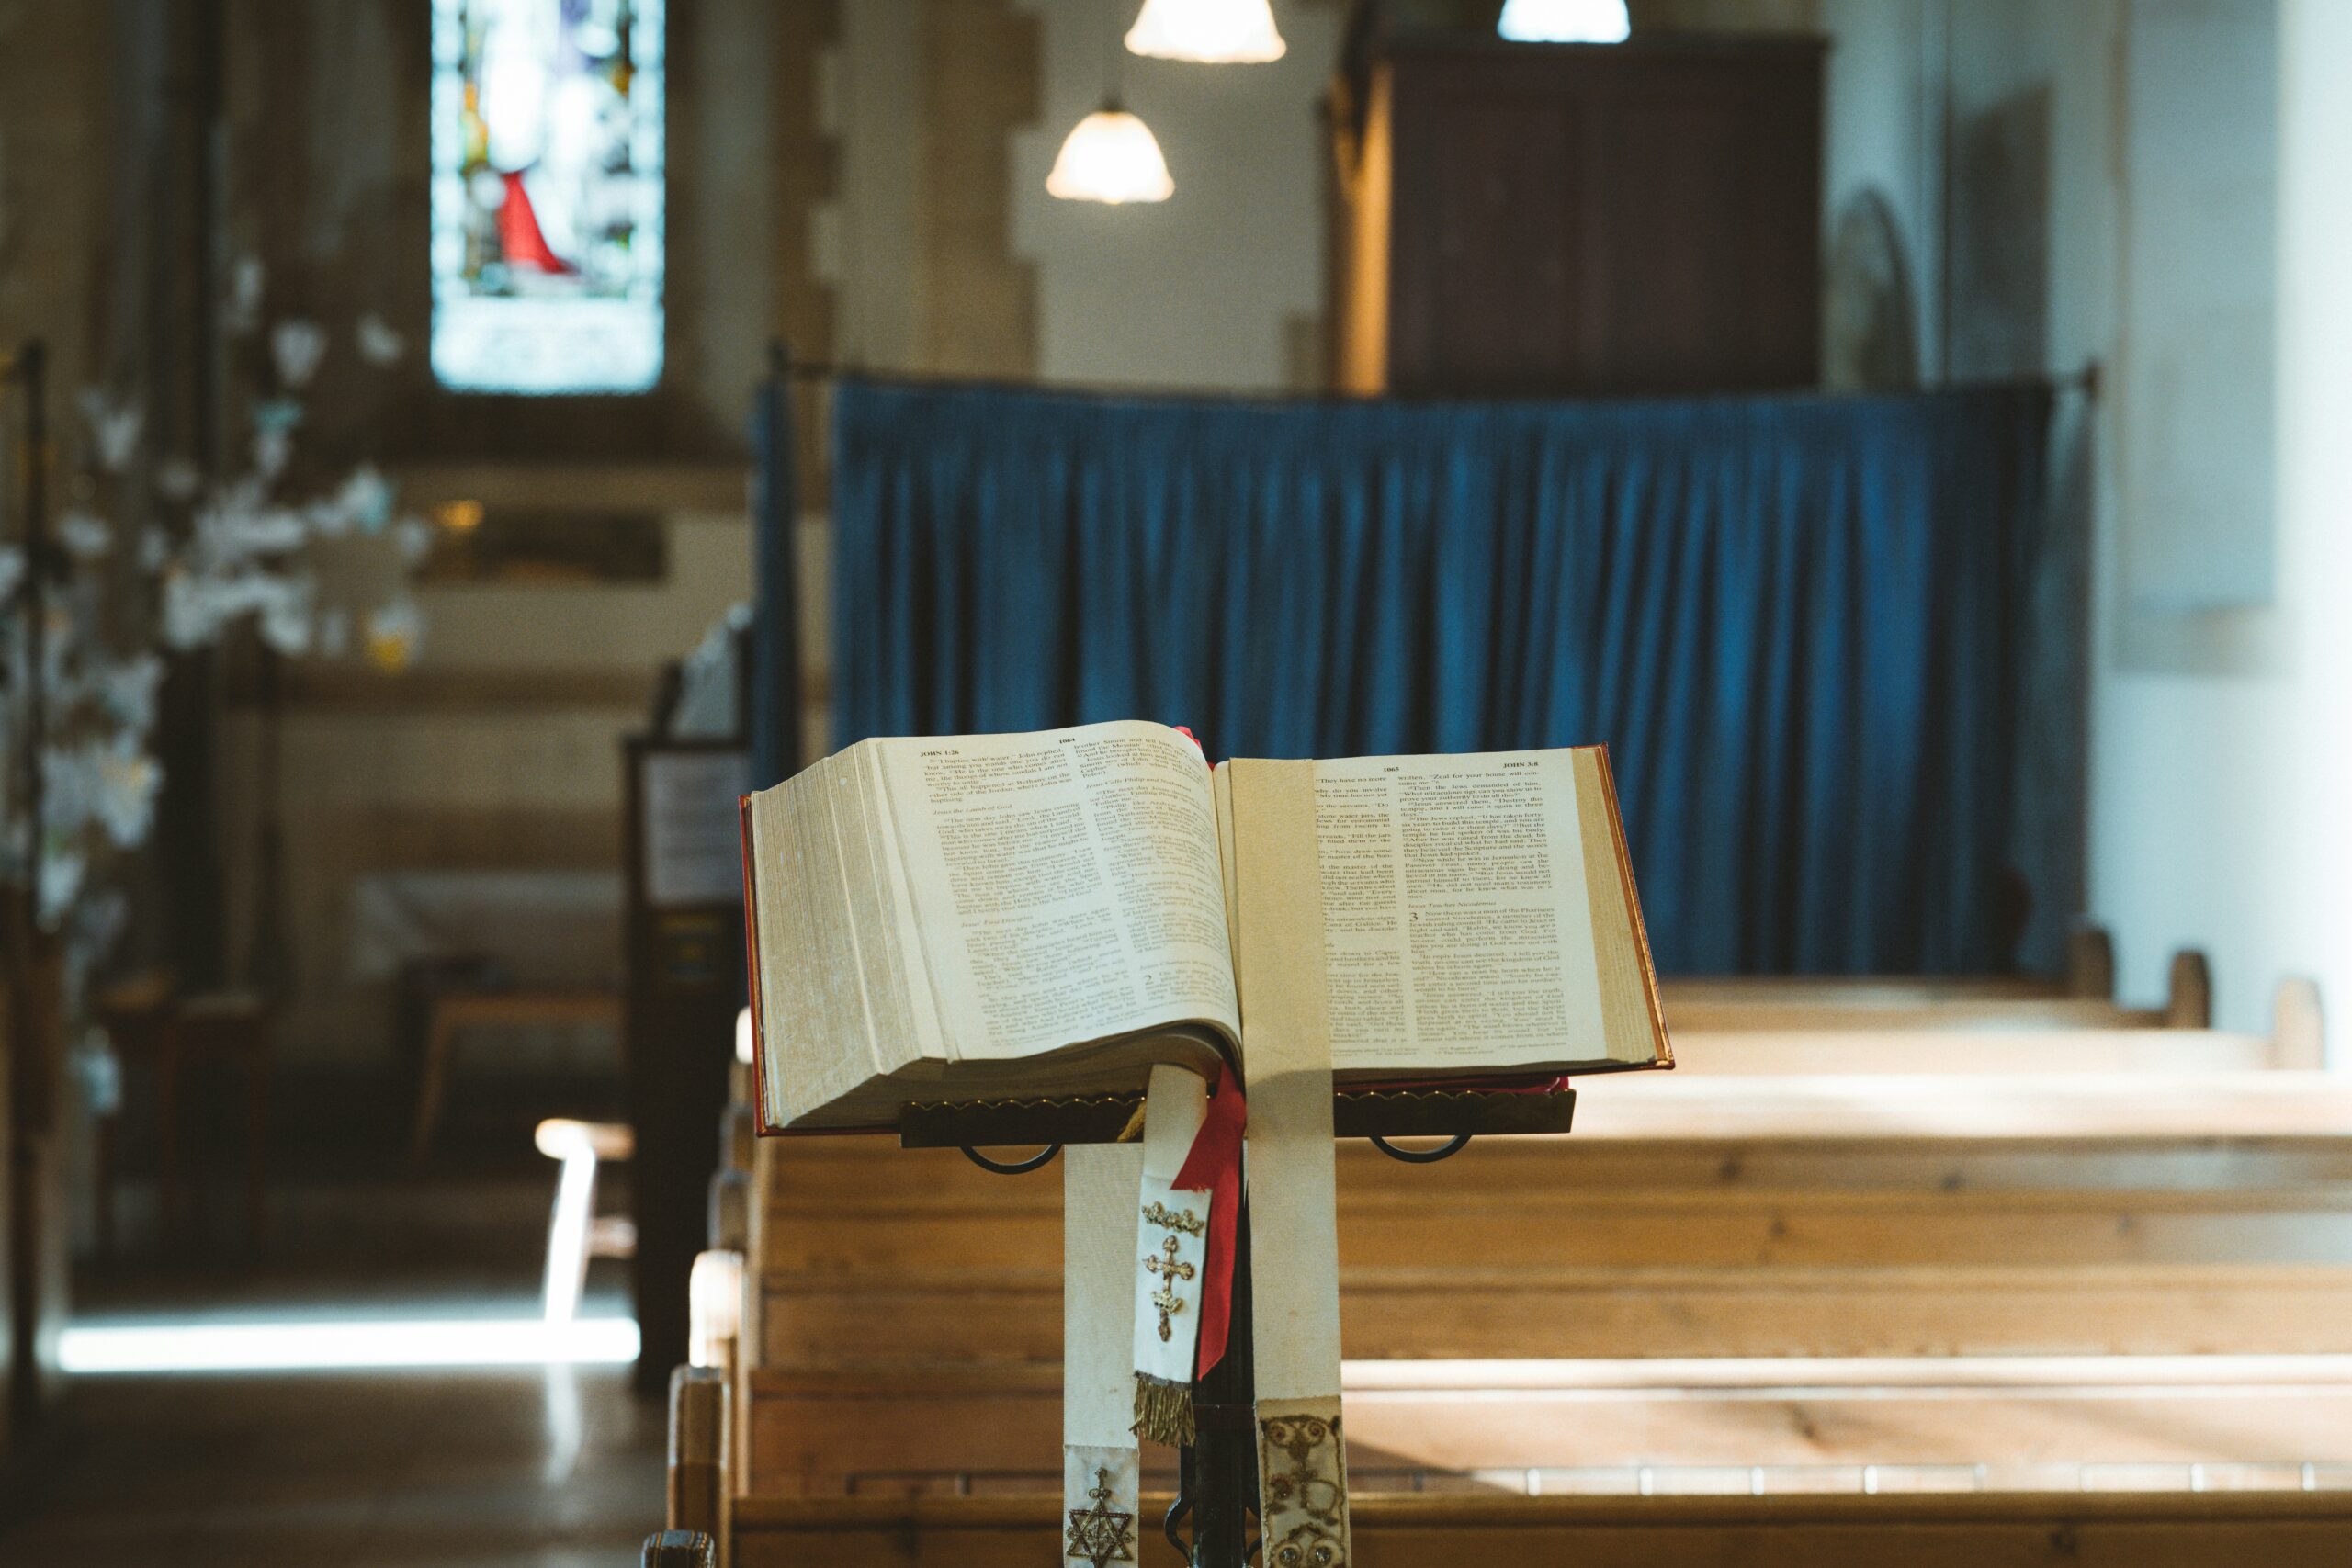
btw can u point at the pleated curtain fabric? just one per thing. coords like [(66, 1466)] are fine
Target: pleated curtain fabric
[(1799, 623)]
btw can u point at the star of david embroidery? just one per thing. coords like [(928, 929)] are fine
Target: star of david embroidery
[(1170, 1271), (1101, 1534)]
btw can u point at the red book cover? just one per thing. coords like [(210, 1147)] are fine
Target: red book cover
[(751, 979)]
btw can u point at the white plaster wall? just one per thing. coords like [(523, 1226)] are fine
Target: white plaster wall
[(2220, 768), (346, 774), (1883, 131), (504, 627), (1196, 291), (2219, 801)]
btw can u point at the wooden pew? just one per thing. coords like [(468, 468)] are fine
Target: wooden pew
[(699, 1485), (1757, 1514), (1805, 1004), (679, 1549), (1636, 1426), (2212, 1218), (2113, 1054), (1987, 1037), (2288, 1529), (2088, 974), (2156, 1191)]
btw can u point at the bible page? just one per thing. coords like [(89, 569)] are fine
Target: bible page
[(1066, 885), (1458, 927)]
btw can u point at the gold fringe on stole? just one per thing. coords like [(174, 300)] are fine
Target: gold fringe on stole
[(1163, 1410)]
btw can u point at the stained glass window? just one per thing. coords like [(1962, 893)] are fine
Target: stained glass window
[(546, 195)]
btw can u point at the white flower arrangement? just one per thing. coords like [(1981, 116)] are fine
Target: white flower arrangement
[(122, 596)]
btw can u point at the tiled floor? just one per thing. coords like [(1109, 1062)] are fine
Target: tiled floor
[(497, 1468)]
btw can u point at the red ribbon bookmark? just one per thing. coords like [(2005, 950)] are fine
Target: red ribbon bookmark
[(1212, 1165)]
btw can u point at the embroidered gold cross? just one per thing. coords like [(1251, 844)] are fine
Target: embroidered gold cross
[(1101, 1534), (1170, 1271)]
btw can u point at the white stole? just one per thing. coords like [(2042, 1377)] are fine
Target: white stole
[(1170, 1254), (1100, 1479), (1292, 1173)]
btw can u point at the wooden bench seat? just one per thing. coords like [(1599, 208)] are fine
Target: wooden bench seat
[(1735, 1226), (1692, 1216), (1859, 1013), (1986, 1243), (1888, 1052), (1982, 1107), (1863, 1309), (2053, 1036), (1591, 1424), (2045, 1529), (1841, 1003), (2242, 1132)]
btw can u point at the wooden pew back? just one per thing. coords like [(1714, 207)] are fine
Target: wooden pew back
[(1803, 1004), (1834, 1195), (2285, 1530)]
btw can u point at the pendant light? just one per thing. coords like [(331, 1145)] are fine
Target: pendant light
[(1111, 157), (1565, 21), (1214, 32)]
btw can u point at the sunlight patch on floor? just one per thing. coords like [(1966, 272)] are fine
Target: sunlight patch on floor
[(312, 1344)]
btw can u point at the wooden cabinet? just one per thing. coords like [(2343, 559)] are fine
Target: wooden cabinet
[(1579, 218)]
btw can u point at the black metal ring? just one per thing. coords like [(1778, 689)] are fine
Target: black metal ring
[(1172, 1527), (1017, 1168), (1446, 1150)]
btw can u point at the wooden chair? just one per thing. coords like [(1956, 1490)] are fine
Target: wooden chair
[(147, 1018), (455, 1013), (576, 1232)]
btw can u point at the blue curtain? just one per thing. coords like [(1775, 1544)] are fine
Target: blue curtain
[(1797, 621)]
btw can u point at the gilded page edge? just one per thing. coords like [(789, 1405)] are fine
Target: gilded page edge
[(1610, 830)]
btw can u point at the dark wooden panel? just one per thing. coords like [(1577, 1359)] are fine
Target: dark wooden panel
[(9, 1290), (1584, 221), (1486, 285), (683, 984)]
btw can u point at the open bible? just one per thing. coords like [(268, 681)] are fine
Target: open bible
[(999, 916)]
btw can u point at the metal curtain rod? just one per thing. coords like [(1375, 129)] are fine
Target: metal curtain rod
[(783, 363)]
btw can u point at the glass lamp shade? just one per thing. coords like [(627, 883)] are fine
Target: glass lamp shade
[(1111, 157), (1214, 32), (1565, 21)]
